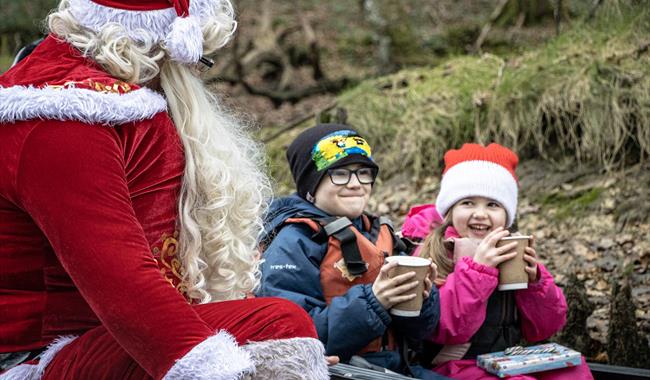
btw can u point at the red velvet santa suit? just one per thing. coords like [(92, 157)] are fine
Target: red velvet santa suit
[(90, 172)]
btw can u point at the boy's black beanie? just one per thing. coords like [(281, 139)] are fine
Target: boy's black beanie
[(303, 168)]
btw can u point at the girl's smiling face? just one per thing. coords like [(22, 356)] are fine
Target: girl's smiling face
[(475, 217)]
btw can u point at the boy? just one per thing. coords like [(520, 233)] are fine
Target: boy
[(323, 252)]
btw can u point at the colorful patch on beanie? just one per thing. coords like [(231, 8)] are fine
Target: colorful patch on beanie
[(337, 145)]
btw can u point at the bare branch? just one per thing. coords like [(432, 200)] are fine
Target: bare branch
[(594, 7), (496, 13), (292, 96), (297, 121)]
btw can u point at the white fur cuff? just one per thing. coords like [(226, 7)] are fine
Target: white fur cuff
[(217, 358), (289, 359), (36, 371)]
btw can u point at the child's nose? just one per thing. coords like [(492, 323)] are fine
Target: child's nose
[(479, 212), (354, 181)]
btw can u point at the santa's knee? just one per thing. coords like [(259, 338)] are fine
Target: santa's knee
[(290, 319)]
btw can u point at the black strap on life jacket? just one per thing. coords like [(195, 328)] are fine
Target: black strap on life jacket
[(338, 227), (398, 245), (349, 249)]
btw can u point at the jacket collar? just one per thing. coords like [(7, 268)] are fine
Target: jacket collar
[(74, 88)]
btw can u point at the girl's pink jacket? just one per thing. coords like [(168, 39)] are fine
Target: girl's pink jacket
[(463, 303)]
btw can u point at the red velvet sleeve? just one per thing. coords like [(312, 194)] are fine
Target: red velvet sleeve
[(71, 180)]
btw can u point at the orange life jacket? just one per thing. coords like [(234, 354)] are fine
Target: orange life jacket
[(352, 259)]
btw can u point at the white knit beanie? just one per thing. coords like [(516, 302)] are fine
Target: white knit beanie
[(478, 171), (177, 23)]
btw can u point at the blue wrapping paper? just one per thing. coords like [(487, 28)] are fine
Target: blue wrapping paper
[(543, 357)]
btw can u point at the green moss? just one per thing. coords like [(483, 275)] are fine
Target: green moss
[(5, 62), (571, 205), (460, 35), (584, 94)]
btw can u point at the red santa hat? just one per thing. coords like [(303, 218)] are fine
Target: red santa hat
[(475, 170), (177, 23)]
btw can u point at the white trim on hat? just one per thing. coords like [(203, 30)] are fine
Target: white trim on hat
[(478, 179), (181, 41), (95, 16), (182, 35)]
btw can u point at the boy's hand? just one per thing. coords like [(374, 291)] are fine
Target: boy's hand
[(389, 291), (530, 257), (487, 252)]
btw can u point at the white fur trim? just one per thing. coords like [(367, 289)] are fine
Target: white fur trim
[(95, 16), (155, 26), (217, 358), (36, 371), (478, 179), (26, 103), (185, 40), (289, 359), (21, 372)]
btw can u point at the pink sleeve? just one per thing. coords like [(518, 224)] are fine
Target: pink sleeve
[(420, 221), (542, 307), (463, 301)]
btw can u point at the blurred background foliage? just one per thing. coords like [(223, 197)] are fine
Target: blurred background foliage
[(20, 23)]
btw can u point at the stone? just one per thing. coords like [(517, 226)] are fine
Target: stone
[(383, 209), (606, 244), (641, 295), (598, 324), (607, 264), (602, 285)]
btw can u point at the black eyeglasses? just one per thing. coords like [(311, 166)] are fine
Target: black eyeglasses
[(341, 176)]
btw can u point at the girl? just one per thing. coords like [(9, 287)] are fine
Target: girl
[(475, 207)]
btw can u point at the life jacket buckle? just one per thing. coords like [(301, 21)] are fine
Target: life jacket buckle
[(337, 225)]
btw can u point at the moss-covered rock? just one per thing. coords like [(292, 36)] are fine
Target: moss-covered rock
[(625, 345), (575, 333)]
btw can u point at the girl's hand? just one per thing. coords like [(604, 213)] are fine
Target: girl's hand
[(530, 257), (389, 291), (487, 252), (428, 281)]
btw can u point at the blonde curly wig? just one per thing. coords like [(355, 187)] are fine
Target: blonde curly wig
[(224, 190)]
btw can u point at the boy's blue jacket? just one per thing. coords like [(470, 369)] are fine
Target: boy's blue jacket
[(290, 270)]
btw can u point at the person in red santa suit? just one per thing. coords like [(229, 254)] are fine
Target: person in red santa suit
[(130, 203)]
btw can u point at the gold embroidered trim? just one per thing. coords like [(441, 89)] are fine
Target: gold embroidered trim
[(117, 87), (170, 266)]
